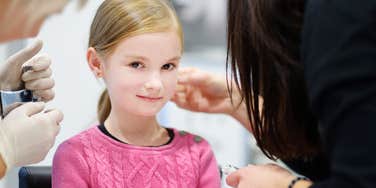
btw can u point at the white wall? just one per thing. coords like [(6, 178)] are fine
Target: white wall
[(65, 37)]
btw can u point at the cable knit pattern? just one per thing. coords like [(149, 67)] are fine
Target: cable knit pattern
[(92, 159)]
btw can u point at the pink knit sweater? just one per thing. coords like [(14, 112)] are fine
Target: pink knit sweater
[(92, 159)]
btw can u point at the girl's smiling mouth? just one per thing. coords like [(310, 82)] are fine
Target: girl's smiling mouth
[(150, 99)]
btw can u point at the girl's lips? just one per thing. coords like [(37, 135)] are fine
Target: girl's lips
[(152, 99)]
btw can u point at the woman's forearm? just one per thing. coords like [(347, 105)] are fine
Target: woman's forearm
[(241, 115)]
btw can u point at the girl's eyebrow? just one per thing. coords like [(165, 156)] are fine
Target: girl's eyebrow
[(136, 57), (176, 58)]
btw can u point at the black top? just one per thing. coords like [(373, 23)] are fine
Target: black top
[(339, 54), (103, 129), (316, 169)]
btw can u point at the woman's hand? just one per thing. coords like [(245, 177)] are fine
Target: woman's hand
[(263, 176), (202, 91)]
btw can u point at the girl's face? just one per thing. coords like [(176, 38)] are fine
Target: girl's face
[(141, 73)]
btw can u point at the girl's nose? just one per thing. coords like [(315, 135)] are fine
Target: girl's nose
[(154, 84)]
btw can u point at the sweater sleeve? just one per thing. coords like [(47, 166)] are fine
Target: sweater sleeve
[(69, 168), (339, 55), (209, 172)]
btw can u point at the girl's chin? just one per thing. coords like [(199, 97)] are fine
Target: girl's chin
[(147, 114)]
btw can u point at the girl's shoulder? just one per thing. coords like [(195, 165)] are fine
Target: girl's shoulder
[(182, 134), (75, 152), (80, 140), (198, 148), (192, 140)]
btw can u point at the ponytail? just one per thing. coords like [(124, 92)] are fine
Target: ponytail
[(104, 107)]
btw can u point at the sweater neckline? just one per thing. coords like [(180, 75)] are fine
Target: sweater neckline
[(107, 140), (104, 130)]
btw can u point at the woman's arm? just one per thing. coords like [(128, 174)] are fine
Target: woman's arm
[(264, 176)]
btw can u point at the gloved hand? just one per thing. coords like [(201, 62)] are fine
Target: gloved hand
[(37, 79), (27, 134)]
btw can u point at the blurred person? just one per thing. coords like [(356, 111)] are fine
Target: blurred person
[(27, 133)]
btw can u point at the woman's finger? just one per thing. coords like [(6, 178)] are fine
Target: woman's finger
[(234, 178), (33, 75), (40, 84)]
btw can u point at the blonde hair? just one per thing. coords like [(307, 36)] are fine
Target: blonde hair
[(117, 20)]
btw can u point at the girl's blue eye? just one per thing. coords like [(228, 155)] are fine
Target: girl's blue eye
[(168, 66)]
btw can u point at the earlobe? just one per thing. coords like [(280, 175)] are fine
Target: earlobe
[(94, 62)]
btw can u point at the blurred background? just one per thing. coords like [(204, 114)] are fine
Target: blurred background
[(65, 39)]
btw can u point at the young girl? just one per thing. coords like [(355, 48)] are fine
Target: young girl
[(135, 46)]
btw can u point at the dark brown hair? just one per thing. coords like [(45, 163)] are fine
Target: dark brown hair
[(263, 57)]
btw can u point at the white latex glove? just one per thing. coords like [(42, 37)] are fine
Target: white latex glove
[(27, 134), (38, 79)]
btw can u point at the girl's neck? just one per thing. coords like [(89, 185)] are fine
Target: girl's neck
[(136, 130)]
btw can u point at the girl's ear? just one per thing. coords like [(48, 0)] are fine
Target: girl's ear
[(94, 62)]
